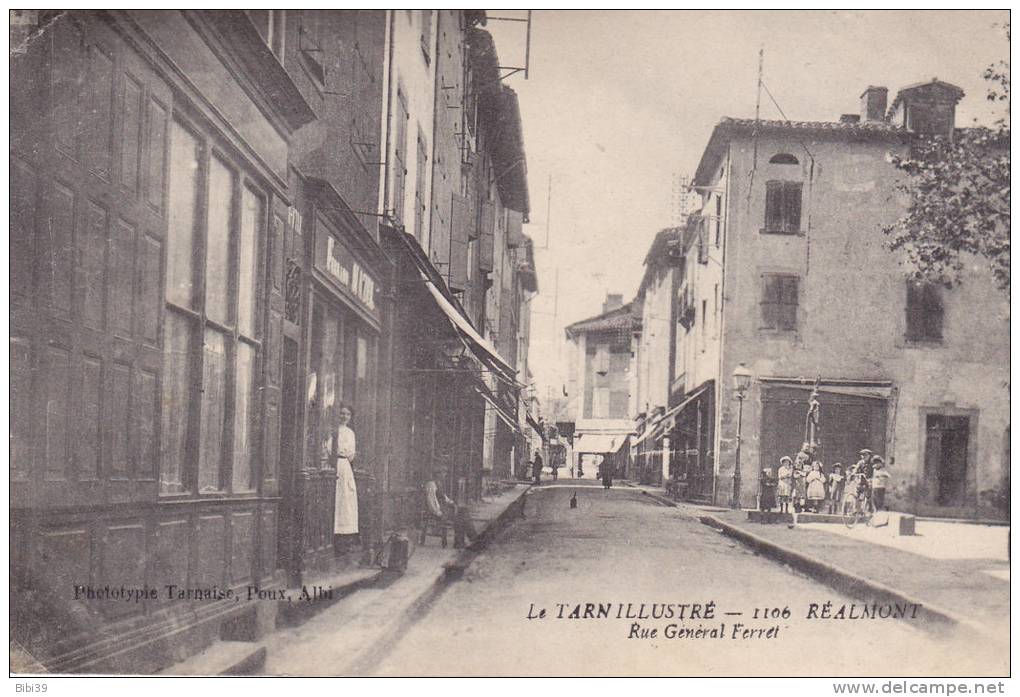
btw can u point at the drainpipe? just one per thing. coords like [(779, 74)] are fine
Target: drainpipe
[(384, 187), (727, 208)]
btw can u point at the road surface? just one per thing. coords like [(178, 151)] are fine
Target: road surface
[(602, 570)]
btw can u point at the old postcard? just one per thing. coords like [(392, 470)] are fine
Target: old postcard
[(511, 343)]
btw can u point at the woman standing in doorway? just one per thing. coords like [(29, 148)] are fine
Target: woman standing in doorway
[(345, 513)]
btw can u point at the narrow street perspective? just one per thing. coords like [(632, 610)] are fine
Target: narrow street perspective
[(468, 342), (622, 549)]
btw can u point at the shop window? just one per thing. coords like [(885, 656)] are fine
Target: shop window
[(779, 302), (924, 311), (782, 207), (211, 337)]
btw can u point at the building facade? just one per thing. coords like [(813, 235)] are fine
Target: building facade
[(149, 178), (788, 274), (224, 227), (600, 365)]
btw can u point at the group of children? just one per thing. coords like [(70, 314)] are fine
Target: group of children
[(805, 484)]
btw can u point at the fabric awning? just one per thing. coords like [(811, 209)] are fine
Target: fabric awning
[(481, 347), (598, 442), (534, 424), (483, 350), (669, 418), (487, 395), (870, 389)]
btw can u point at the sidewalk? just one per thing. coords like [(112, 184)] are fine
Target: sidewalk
[(960, 571), (348, 637)]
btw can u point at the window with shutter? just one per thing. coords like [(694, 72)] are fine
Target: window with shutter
[(420, 202), (400, 158), (486, 227), (779, 302), (458, 243), (924, 311), (782, 207)]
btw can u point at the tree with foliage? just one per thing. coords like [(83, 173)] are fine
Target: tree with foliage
[(959, 196)]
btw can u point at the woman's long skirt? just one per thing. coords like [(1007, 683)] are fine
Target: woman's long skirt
[(345, 516)]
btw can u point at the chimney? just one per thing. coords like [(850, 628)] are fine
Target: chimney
[(927, 108), (613, 301), (873, 102)]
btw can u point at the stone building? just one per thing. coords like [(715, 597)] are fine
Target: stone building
[(792, 278), (600, 364), (224, 225)]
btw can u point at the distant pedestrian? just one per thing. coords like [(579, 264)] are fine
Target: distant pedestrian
[(607, 474), (879, 481), (815, 487), (784, 485), (836, 484), (536, 467)]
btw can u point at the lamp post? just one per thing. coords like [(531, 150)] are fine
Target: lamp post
[(741, 383)]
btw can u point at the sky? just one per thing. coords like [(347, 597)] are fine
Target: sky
[(617, 102)]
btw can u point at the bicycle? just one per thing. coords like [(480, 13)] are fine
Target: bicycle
[(858, 506)]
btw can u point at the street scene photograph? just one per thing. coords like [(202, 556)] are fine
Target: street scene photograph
[(511, 343)]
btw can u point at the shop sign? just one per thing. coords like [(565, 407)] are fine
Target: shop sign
[(333, 258)]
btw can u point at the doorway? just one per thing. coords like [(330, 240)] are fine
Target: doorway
[(947, 439), (287, 538)]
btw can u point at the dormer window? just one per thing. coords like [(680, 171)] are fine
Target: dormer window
[(784, 158)]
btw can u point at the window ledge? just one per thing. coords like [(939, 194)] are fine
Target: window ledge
[(785, 233), (924, 343), (777, 333)]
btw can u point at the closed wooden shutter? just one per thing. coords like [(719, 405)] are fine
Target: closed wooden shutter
[(458, 242), (779, 301), (782, 207), (924, 312), (487, 231), (87, 238)]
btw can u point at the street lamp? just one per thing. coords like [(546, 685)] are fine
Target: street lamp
[(741, 383)]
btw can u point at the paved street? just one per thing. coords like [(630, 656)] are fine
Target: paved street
[(621, 549)]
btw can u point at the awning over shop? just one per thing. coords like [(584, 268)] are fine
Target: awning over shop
[(598, 442), (501, 412), (874, 389), (535, 425), (481, 347), (667, 420), (483, 350)]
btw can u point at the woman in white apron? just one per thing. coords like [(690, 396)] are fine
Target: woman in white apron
[(345, 514)]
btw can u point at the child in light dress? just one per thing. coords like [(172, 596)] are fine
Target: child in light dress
[(784, 485), (815, 481)]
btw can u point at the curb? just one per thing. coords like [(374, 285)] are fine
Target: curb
[(371, 655), (843, 580), (661, 499)]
